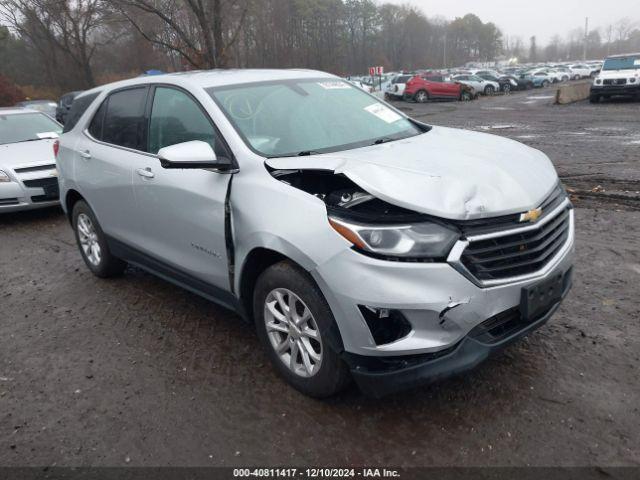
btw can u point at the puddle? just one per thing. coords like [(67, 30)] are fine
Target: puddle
[(497, 127)]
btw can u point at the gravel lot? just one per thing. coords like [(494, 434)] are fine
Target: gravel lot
[(135, 371)]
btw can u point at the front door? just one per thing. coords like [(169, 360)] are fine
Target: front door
[(183, 211)]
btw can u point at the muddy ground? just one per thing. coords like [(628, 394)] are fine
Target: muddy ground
[(135, 371)]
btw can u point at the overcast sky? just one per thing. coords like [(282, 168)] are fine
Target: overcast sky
[(543, 18)]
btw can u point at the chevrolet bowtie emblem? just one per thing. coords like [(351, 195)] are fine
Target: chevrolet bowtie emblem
[(531, 215)]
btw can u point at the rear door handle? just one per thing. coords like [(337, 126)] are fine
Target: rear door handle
[(145, 172), (85, 154)]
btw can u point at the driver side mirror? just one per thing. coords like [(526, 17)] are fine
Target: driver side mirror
[(193, 154)]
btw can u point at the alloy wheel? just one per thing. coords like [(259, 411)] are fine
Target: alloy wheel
[(89, 239), (293, 332)]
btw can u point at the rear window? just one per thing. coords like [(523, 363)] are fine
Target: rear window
[(78, 107), (402, 79)]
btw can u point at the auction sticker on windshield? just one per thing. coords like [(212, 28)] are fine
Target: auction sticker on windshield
[(383, 113), (334, 85)]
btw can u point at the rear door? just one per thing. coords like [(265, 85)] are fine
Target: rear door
[(183, 211), (110, 150)]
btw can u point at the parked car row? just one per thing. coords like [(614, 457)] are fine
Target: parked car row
[(469, 83)]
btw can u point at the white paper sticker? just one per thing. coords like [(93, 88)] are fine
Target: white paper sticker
[(45, 135), (636, 62), (383, 112), (334, 85)]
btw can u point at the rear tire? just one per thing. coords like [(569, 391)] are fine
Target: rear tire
[(421, 96), (92, 243), (317, 369), (489, 90)]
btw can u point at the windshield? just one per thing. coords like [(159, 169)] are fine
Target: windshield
[(624, 63), (304, 117), (25, 126)]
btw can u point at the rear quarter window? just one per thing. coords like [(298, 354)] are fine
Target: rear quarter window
[(78, 107)]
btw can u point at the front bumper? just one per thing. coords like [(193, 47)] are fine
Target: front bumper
[(378, 377), (30, 190), (628, 89), (421, 292)]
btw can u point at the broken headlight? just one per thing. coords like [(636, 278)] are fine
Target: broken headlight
[(419, 240)]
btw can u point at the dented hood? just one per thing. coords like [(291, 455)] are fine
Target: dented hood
[(446, 172)]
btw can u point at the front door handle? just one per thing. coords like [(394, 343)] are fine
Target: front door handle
[(145, 172), (86, 154)]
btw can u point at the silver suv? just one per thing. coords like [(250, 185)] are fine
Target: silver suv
[(361, 243)]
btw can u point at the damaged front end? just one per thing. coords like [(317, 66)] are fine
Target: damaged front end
[(374, 226)]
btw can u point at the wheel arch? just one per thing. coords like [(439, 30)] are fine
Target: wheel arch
[(256, 262), (71, 198)]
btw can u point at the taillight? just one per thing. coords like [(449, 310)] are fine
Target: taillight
[(56, 148)]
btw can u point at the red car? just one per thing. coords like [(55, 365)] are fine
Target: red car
[(423, 88)]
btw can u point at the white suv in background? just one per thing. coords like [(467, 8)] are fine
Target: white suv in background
[(395, 88), (579, 71)]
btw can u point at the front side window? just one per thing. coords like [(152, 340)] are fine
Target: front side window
[(26, 127), (124, 119), (176, 118), (304, 117)]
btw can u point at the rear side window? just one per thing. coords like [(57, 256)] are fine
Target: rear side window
[(177, 118), (95, 128), (124, 119), (77, 109)]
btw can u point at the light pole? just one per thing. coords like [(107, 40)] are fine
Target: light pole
[(586, 37)]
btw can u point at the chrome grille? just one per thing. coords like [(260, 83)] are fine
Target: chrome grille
[(520, 251)]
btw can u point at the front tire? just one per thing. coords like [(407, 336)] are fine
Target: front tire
[(545, 84), (92, 243), (489, 90), (506, 88), (295, 325)]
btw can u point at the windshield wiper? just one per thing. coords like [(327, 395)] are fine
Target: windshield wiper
[(304, 153), (382, 140)]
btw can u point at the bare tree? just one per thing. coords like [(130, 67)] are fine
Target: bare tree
[(624, 27), (201, 32), (70, 27)]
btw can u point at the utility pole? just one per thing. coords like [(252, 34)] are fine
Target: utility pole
[(445, 49), (586, 38)]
